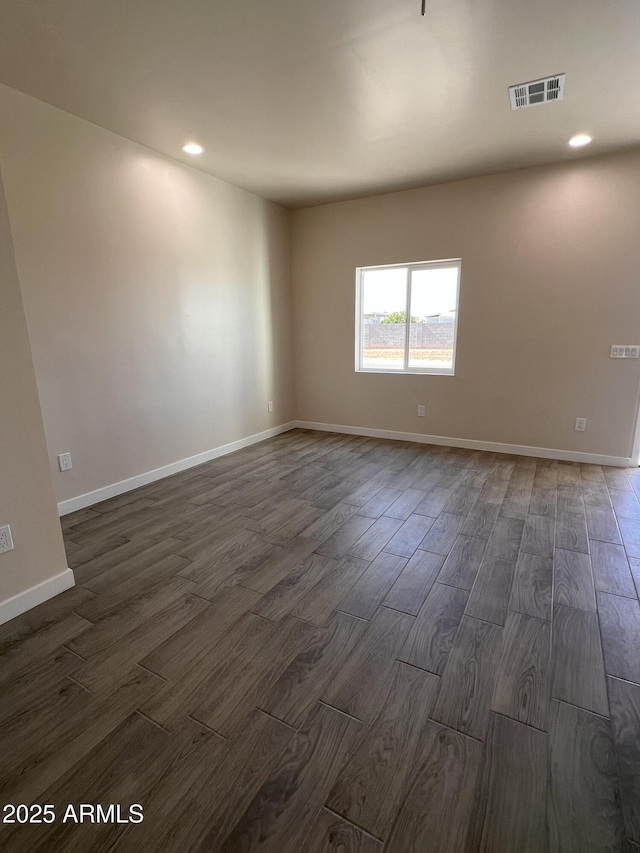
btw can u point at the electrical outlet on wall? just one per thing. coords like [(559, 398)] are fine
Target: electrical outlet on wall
[(581, 424), (270, 406), (6, 539), (64, 460), (421, 411)]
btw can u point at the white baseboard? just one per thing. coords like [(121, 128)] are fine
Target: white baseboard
[(35, 595), (90, 498), (111, 491), (516, 449)]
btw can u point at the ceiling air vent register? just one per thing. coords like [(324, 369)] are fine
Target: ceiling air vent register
[(537, 92)]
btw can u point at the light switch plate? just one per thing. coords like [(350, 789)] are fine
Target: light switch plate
[(625, 351)]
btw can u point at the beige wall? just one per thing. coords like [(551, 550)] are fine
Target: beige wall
[(550, 279), (27, 501), (157, 298)]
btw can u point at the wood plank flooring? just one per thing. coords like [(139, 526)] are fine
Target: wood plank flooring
[(333, 643)]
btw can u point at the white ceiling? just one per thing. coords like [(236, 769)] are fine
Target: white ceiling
[(306, 101)]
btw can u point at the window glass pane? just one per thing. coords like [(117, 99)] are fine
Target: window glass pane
[(384, 308), (433, 317)]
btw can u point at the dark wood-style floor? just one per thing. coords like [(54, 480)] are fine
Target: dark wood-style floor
[(334, 643)]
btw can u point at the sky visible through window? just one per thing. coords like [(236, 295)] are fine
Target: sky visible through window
[(433, 291)]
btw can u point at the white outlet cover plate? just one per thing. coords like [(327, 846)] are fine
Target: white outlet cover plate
[(6, 539), (64, 460)]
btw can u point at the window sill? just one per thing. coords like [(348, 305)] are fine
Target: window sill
[(388, 372)]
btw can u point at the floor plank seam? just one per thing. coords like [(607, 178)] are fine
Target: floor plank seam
[(194, 592), (353, 615), (84, 618), (398, 610), (360, 829), (541, 618), (626, 680), (580, 708), (579, 609), (452, 729), (80, 684), (151, 672), (618, 594), (340, 711), (305, 621), (151, 721), (385, 607), (415, 666), (266, 618), (278, 719), (77, 654), (522, 723), (487, 621), (450, 585), (80, 616), (604, 661)]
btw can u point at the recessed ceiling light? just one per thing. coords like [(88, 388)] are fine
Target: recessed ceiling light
[(580, 139), (192, 148)]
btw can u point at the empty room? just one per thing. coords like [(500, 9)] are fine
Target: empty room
[(319, 494)]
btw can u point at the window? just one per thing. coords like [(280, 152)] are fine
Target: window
[(406, 317)]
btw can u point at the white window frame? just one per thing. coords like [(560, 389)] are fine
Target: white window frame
[(409, 268)]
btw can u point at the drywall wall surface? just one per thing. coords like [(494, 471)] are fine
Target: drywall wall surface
[(157, 298), (27, 501), (550, 279)]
